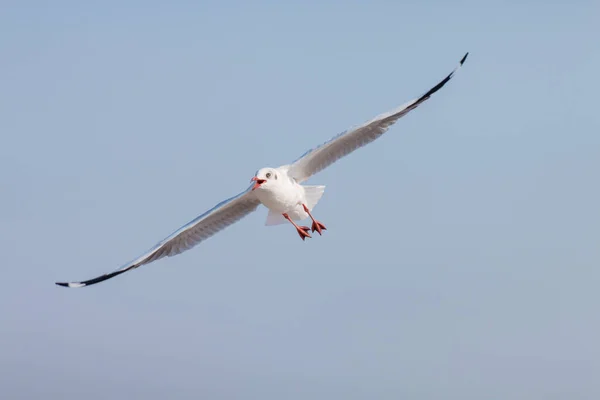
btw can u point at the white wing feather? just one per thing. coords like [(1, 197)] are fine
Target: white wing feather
[(343, 144), (201, 228)]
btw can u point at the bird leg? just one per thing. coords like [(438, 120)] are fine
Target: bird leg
[(302, 230), (316, 225)]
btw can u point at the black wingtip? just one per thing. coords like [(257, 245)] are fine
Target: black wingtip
[(95, 280), (71, 284), (464, 58)]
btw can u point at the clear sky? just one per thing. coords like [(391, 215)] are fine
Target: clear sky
[(461, 259)]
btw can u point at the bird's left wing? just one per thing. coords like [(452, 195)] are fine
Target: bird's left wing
[(214, 220), (343, 144)]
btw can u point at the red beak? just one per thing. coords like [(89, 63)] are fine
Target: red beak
[(258, 182)]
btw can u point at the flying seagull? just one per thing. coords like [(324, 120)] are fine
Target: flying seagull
[(279, 189)]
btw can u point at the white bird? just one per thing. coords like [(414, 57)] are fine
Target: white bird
[(279, 189)]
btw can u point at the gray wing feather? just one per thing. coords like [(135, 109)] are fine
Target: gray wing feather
[(199, 229), (346, 142)]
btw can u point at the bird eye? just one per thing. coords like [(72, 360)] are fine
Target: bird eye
[(268, 175)]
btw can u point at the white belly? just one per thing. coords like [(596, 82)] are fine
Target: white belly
[(284, 199)]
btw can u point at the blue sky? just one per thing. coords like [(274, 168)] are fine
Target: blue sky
[(461, 256)]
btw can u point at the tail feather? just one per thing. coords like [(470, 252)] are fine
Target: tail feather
[(313, 195), (274, 218)]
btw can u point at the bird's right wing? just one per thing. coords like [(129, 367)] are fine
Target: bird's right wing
[(343, 144), (214, 220)]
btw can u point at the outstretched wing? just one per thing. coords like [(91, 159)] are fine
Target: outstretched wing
[(214, 220), (343, 144)]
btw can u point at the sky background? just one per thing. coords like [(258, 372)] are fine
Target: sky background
[(461, 259)]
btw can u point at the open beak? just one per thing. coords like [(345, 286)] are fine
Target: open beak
[(257, 183)]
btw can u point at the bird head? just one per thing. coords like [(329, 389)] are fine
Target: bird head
[(264, 178)]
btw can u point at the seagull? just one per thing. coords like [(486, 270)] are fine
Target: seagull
[(278, 189)]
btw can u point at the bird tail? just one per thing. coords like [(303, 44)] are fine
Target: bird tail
[(313, 195)]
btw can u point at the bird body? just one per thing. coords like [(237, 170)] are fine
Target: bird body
[(280, 193), (279, 189)]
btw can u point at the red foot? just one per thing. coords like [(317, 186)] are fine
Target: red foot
[(317, 226), (303, 232)]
